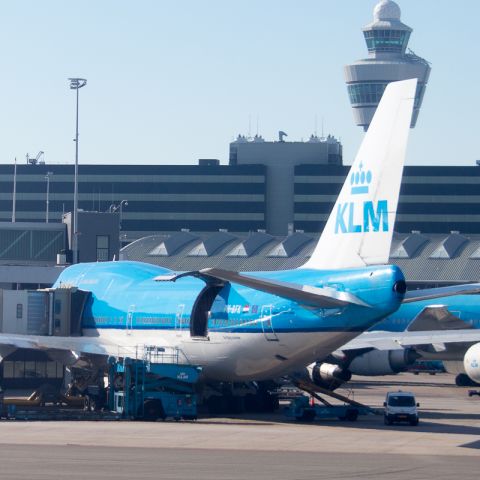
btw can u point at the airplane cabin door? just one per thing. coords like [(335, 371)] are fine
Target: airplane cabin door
[(179, 322), (267, 326), (130, 313)]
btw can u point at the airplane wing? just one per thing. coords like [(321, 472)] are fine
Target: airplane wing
[(324, 297), (436, 317), (399, 340), (83, 345), (440, 292)]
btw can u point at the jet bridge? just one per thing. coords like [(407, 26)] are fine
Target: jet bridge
[(55, 312)]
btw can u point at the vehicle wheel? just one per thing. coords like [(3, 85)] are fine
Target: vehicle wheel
[(190, 417), (414, 422), (307, 416), (92, 404), (153, 410), (387, 421), (352, 415), (463, 380)]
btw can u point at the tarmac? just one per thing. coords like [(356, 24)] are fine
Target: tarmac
[(445, 445)]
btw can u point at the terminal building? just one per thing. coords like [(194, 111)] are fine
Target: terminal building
[(280, 188)]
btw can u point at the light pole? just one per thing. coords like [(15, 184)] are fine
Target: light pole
[(76, 84), (123, 202), (47, 178)]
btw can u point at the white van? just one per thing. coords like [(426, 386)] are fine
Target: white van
[(401, 407)]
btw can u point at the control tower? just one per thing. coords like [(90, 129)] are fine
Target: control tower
[(387, 39)]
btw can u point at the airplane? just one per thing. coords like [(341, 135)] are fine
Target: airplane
[(243, 327), (444, 328)]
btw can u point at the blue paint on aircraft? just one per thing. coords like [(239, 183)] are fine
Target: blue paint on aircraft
[(125, 295), (465, 307)]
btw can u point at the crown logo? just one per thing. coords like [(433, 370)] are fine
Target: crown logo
[(360, 181), (474, 364)]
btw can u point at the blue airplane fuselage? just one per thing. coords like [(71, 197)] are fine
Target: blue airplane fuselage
[(465, 307), (249, 333)]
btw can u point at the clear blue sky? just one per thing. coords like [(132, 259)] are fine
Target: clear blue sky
[(173, 81)]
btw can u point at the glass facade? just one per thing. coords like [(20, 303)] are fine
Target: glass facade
[(160, 198), (25, 244), (364, 93), (30, 369), (103, 248), (386, 40)]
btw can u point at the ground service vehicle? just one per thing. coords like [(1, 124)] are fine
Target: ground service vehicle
[(401, 407)]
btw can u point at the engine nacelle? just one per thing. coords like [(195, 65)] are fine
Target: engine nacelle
[(382, 362), (328, 375), (471, 362)]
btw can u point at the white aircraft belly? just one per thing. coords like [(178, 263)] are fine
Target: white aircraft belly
[(234, 356)]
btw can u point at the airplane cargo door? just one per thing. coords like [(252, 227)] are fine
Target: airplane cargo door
[(267, 326)]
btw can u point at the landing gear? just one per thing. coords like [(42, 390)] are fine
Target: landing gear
[(261, 402), (92, 403), (463, 380)]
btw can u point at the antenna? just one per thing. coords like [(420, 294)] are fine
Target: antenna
[(257, 124), (316, 122), (249, 126), (323, 136)]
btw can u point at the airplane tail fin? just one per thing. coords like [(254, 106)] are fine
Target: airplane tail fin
[(360, 227)]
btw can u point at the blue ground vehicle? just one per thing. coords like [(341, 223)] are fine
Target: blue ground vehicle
[(153, 387), (301, 410)]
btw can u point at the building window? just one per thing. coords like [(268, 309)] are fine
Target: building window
[(19, 310), (103, 248), (361, 93), (8, 369), (58, 307), (386, 40), (366, 92)]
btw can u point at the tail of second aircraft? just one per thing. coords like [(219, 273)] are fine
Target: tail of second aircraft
[(360, 227)]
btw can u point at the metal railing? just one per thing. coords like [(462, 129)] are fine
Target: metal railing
[(153, 354)]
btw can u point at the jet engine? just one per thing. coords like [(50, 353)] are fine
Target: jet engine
[(382, 362), (328, 375), (471, 363)]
